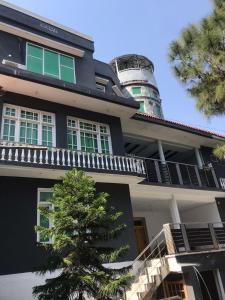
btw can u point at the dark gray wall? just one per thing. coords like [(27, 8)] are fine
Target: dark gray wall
[(62, 111), (13, 48), (18, 216)]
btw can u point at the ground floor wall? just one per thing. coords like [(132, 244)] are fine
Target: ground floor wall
[(19, 252), (154, 220)]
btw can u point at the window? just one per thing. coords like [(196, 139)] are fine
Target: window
[(51, 63), (28, 126), (142, 106), (136, 90), (43, 201), (100, 87), (157, 109), (88, 136)]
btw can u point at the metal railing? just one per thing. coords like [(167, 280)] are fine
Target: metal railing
[(194, 237), (176, 173), (151, 265), (17, 153)]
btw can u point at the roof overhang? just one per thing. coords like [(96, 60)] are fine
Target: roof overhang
[(54, 90), (147, 127)]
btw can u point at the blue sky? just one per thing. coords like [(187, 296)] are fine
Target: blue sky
[(136, 26)]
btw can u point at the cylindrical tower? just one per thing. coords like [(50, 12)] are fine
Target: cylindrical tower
[(136, 76)]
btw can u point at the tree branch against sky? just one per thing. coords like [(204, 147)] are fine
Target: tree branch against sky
[(198, 61)]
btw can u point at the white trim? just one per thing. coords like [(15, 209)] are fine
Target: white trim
[(36, 16), (40, 122), (97, 132), (101, 80), (59, 61), (41, 40), (39, 203), (117, 91)]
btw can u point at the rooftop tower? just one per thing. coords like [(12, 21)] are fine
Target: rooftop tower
[(136, 75)]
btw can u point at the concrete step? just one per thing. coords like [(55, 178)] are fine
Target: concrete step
[(130, 295), (145, 279), (152, 271)]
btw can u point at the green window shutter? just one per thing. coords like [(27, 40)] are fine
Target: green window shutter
[(51, 63), (67, 70), (34, 59), (136, 90), (142, 106)]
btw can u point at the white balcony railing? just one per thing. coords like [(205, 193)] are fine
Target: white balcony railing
[(16, 153)]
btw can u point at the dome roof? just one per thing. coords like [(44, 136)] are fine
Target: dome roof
[(131, 61)]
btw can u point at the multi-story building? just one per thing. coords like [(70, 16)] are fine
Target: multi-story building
[(60, 108)]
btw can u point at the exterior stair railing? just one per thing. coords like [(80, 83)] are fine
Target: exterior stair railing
[(149, 270), (151, 266)]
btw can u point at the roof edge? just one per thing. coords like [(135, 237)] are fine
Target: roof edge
[(46, 20), (176, 125)]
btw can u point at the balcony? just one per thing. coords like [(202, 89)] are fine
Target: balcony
[(179, 174), (194, 237), (43, 157)]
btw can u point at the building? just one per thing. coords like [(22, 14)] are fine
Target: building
[(60, 108)]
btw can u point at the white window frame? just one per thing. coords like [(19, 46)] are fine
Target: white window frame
[(97, 132), (59, 61), (39, 122), (44, 204)]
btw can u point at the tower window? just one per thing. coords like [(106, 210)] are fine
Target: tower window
[(136, 90), (142, 106)]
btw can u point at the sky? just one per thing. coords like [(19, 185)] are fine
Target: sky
[(144, 27)]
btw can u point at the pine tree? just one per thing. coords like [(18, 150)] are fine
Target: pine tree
[(198, 60), (83, 223)]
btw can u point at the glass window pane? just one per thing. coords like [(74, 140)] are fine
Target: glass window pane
[(35, 51), (34, 65), (66, 61), (44, 196), (28, 133), (51, 63), (136, 90), (10, 111), (67, 74), (9, 130), (44, 222), (142, 106), (72, 139), (47, 135)]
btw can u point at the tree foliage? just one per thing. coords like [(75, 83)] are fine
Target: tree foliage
[(198, 60), (83, 223)]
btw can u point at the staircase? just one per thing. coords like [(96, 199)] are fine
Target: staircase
[(149, 270)]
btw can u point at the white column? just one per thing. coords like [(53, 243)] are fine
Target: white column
[(174, 211), (161, 153), (198, 158)]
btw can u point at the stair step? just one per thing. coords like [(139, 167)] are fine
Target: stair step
[(145, 279), (153, 271), (130, 295)]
